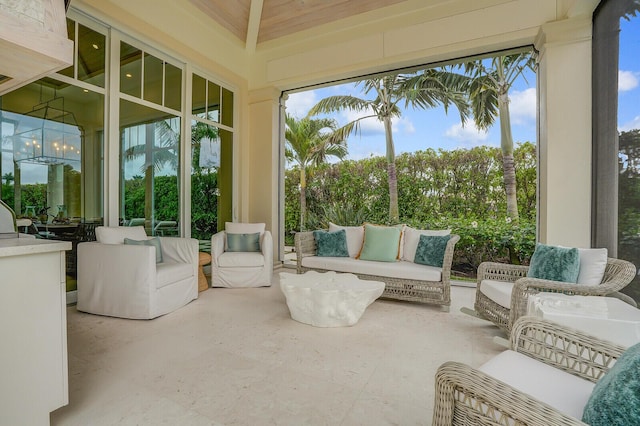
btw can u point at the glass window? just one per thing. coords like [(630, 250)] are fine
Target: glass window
[(213, 102), (149, 158), (153, 79), (52, 160), (130, 70), (71, 31), (227, 107), (172, 87), (91, 56), (199, 97)]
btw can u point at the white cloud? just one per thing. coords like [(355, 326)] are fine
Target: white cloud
[(468, 135), (522, 106), (631, 125), (627, 80), (299, 104)]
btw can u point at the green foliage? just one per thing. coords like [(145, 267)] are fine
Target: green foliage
[(437, 189)]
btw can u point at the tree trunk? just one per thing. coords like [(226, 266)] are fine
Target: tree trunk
[(391, 173), (303, 197), (508, 162)]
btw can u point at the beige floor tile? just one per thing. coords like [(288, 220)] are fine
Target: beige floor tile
[(235, 357)]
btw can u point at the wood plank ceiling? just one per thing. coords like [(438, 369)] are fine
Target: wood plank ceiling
[(258, 21)]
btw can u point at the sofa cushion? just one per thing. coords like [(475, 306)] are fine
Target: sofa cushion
[(243, 242), (153, 242), (232, 259), (498, 291), (411, 238), (431, 250), (561, 390), (331, 244), (555, 263), (400, 270), (117, 234), (169, 273), (381, 243), (615, 399), (355, 237)]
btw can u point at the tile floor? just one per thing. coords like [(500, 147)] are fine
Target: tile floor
[(235, 357)]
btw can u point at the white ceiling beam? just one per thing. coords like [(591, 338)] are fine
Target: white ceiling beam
[(253, 27)]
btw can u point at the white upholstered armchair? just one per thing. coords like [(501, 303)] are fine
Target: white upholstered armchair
[(126, 281), (250, 267)]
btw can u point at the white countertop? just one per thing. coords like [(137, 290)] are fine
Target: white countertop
[(24, 246)]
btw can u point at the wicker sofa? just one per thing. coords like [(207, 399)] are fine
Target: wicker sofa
[(545, 379), (404, 280)]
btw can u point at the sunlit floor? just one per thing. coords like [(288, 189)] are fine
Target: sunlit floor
[(235, 357)]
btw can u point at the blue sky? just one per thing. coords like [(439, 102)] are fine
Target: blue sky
[(422, 129)]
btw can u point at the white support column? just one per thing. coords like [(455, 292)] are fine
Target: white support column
[(564, 143), (261, 159)]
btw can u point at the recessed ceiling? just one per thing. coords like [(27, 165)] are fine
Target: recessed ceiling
[(271, 19)]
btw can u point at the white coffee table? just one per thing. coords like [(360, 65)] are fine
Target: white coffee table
[(607, 318), (328, 299)]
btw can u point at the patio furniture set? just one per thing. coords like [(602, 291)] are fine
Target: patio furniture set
[(126, 274)]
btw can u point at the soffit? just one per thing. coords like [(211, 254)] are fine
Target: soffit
[(279, 18)]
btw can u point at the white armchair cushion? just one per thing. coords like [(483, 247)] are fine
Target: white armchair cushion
[(592, 265), (232, 259), (117, 234), (563, 391), (498, 291)]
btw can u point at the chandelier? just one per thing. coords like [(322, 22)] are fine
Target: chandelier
[(48, 135)]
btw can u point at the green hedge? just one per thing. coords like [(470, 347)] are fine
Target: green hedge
[(460, 189)]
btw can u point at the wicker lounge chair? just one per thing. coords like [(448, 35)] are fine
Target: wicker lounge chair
[(469, 396), (617, 275)]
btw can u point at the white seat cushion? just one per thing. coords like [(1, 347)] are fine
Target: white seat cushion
[(563, 391), (233, 259), (498, 291), (169, 273), (401, 270)]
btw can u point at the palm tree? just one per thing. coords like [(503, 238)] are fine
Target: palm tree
[(310, 142), (489, 86), (425, 89)]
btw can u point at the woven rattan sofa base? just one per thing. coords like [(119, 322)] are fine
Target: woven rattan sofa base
[(431, 292)]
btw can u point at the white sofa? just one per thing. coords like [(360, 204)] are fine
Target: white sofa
[(121, 280), (404, 279), (546, 378)]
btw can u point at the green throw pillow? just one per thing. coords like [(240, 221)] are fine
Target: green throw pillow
[(243, 242), (615, 399), (430, 250), (331, 244), (381, 243), (153, 242), (555, 263)]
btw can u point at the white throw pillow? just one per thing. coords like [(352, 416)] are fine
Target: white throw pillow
[(592, 265), (355, 237), (117, 234), (412, 238)]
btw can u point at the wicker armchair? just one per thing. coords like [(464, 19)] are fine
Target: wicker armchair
[(617, 275), (468, 396)]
